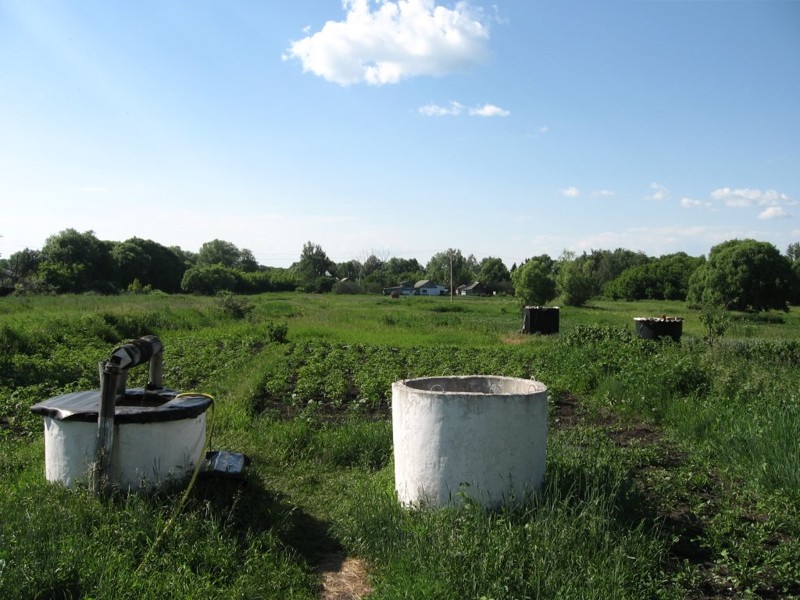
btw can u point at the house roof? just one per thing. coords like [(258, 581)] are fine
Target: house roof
[(427, 283)]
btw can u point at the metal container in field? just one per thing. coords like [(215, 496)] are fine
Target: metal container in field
[(540, 319), (655, 328)]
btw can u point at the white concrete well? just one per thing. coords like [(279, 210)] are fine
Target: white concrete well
[(480, 436), (159, 437)]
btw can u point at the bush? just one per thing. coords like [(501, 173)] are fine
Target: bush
[(278, 333), (234, 306), (209, 280), (346, 287)]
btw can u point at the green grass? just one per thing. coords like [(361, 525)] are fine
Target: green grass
[(676, 474)]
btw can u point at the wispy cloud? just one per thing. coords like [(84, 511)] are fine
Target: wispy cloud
[(773, 201), (456, 108), (774, 212), (574, 192), (659, 192), (750, 197), (687, 202), (571, 192), (395, 41), (435, 110), (489, 110)]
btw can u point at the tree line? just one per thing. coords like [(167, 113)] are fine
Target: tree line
[(737, 274)]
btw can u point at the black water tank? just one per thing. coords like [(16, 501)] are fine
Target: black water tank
[(654, 328), (540, 319)]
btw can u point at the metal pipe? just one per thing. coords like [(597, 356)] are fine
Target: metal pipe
[(156, 371), (109, 376), (113, 377), (136, 352)]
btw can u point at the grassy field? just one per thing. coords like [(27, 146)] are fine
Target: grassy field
[(673, 470)]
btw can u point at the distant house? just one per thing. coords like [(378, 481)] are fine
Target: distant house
[(406, 288), (425, 287), (476, 288)]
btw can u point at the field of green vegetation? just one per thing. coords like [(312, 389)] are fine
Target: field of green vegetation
[(673, 469)]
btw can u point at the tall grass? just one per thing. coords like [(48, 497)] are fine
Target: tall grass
[(572, 539), (310, 409)]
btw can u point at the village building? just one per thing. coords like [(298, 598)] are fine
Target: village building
[(476, 288), (423, 287)]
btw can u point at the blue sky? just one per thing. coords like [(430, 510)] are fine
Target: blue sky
[(401, 128)]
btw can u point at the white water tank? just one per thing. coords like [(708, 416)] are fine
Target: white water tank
[(479, 436)]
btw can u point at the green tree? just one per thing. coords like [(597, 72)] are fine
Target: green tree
[(606, 265), (152, 264), (350, 269), (442, 265), (314, 270), (132, 263), (77, 262), (743, 275), (665, 278), (268, 279), (189, 259), (247, 262), (493, 274), (534, 283), (793, 254), (573, 281), (404, 268), (219, 252), (24, 264)]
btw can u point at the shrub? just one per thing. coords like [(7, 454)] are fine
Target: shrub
[(233, 306), (278, 333), (346, 287)]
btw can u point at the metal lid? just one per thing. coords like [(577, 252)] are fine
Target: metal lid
[(137, 406)]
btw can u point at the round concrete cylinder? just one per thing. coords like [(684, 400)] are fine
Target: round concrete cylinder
[(480, 436), (144, 456)]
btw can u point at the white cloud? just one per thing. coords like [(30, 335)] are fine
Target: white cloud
[(434, 110), (571, 192), (750, 197), (692, 203), (659, 192), (489, 110), (456, 108), (394, 41), (544, 129), (774, 212)]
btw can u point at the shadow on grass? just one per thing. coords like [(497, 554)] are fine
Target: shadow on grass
[(246, 506)]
